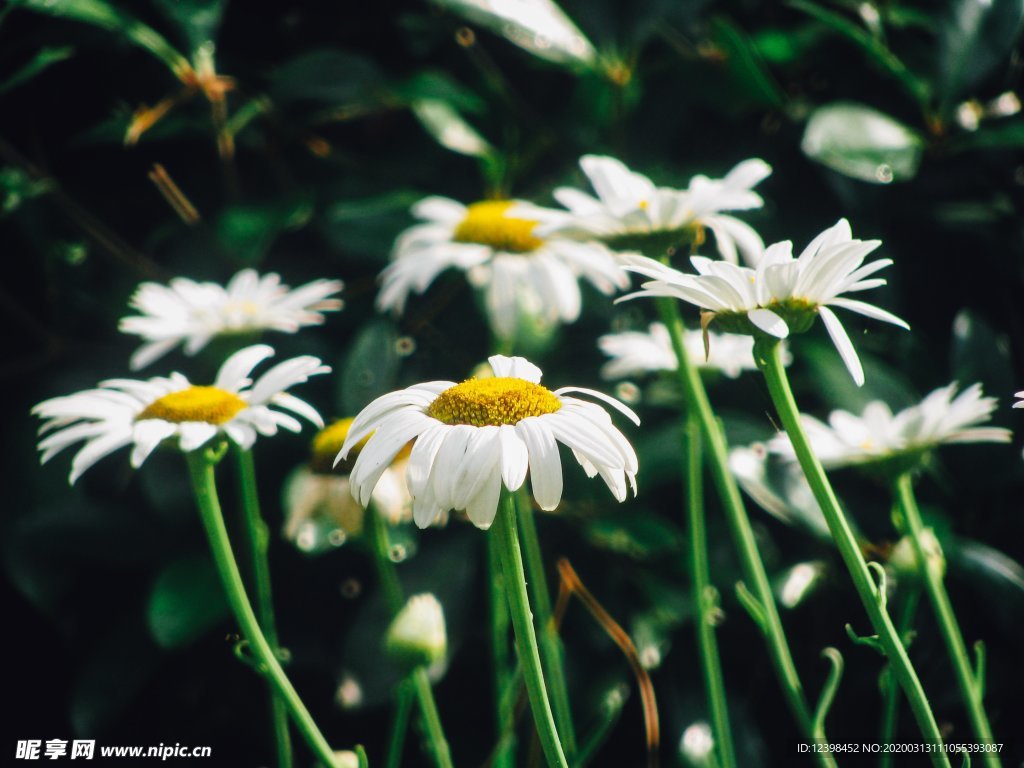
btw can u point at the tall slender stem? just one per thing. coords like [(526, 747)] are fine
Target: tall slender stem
[(258, 538), (399, 726), (705, 598), (504, 698), (550, 643), (201, 467), (741, 530), (522, 623), (769, 360), (935, 588), (377, 532), (891, 695)]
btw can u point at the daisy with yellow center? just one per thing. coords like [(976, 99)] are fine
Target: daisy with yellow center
[(475, 436), (143, 414), (522, 275)]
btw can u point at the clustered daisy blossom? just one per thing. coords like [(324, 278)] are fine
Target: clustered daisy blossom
[(782, 294), (190, 313), (521, 273), (475, 436), (143, 414), (877, 434), (630, 209)]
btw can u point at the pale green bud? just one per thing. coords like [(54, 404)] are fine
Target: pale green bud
[(697, 746), (904, 561), (417, 636)]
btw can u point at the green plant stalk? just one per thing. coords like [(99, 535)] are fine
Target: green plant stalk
[(742, 533), (504, 701), (522, 624), (766, 354), (705, 597), (550, 642), (258, 538), (377, 534), (400, 725), (201, 465), (935, 588), (891, 695)]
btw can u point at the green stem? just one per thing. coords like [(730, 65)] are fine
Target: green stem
[(400, 725), (201, 465), (705, 597), (970, 687), (550, 643), (522, 623), (258, 538), (377, 533), (891, 694), (769, 360), (504, 698), (741, 530)]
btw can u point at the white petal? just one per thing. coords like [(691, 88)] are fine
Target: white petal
[(869, 310), (621, 408), (514, 457), (545, 463), (482, 507), (234, 373), (515, 367), (843, 344), (769, 322), (301, 407), (147, 435), (96, 449), (193, 434)]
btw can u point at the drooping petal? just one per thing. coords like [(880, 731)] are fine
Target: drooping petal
[(843, 344)]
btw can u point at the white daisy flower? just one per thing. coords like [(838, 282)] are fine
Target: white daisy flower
[(782, 293), (519, 272), (475, 436), (190, 313), (877, 434), (145, 413), (630, 211), (637, 352)]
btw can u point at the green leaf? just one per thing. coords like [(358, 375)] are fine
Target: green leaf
[(748, 71), (248, 231), (977, 36), (638, 536), (449, 129), (371, 367), (368, 225), (16, 187), (980, 354), (1006, 134), (329, 76), (44, 59), (198, 20), (186, 602), (862, 143), (438, 86)]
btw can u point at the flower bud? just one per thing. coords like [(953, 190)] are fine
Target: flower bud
[(904, 559), (697, 746), (417, 636), (346, 758)]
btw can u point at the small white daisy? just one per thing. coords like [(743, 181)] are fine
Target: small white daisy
[(782, 294), (520, 273), (630, 209), (637, 352), (474, 436), (877, 434), (190, 313), (145, 413)]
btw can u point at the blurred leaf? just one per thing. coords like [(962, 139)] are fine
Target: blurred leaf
[(198, 20), (449, 129), (330, 76), (248, 231), (1006, 134), (106, 16), (974, 39), (369, 225), (785, 46), (44, 59), (16, 187), (748, 71), (833, 383), (640, 536), (980, 354), (439, 86), (371, 367), (996, 577), (186, 601), (863, 143)]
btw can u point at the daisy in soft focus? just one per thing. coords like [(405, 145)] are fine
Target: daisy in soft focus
[(522, 274), (877, 434), (634, 353), (143, 414), (630, 212), (782, 294), (475, 436), (192, 314)]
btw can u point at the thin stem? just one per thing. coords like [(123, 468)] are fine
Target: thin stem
[(769, 360), (741, 530), (258, 538), (935, 588), (522, 623), (504, 699), (201, 467), (705, 597), (550, 643), (400, 725), (891, 694), (377, 532)]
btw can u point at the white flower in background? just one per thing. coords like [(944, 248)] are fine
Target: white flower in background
[(942, 417), (1020, 402), (782, 293), (418, 635), (636, 352), (520, 273), (190, 313), (629, 208), (778, 487), (475, 436), (143, 414), (697, 746)]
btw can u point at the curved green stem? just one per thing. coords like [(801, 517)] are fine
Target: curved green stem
[(766, 354), (891, 694), (970, 687), (400, 725), (522, 623), (504, 690), (201, 467), (741, 530), (258, 538), (550, 643), (705, 597), (377, 533)]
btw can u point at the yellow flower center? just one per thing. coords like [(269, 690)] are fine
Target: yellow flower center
[(492, 402), (487, 224), (327, 444), (209, 404)]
